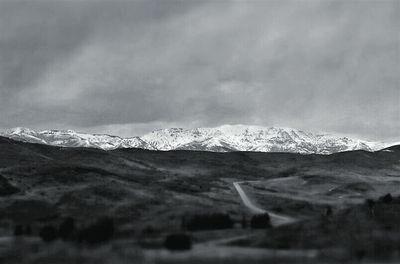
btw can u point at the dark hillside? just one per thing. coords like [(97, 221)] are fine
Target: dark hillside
[(148, 194)]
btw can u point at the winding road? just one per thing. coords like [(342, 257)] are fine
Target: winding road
[(276, 219)]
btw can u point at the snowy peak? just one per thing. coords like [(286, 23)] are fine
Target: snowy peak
[(22, 134), (253, 138), (219, 139), (70, 138)]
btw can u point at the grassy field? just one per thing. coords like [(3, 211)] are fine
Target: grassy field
[(149, 194)]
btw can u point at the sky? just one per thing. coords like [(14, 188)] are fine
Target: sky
[(129, 67)]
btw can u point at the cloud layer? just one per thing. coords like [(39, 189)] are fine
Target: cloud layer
[(126, 67)]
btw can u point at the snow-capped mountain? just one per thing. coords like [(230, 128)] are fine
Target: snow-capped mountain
[(219, 139), (69, 138), (254, 138)]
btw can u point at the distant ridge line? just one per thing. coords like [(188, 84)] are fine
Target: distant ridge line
[(218, 139)]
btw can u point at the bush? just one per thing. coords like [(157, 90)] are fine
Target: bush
[(150, 231), (28, 230), (370, 203), (244, 222), (48, 233), (18, 230), (387, 199), (178, 242), (67, 228), (99, 232), (260, 221), (209, 222), (288, 172), (328, 211), (370, 207)]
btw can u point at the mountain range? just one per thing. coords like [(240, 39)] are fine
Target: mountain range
[(225, 138)]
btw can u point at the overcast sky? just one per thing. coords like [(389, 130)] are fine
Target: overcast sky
[(128, 67)]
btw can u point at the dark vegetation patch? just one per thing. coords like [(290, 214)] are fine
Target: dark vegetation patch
[(368, 230), (208, 222), (260, 221), (98, 232), (48, 233), (22, 211), (91, 233), (180, 241), (287, 172), (66, 230)]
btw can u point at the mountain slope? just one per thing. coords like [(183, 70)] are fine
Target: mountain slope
[(71, 138), (254, 138), (219, 139)]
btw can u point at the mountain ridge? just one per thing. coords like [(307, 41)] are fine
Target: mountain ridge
[(218, 139)]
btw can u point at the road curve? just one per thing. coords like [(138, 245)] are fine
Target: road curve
[(276, 219)]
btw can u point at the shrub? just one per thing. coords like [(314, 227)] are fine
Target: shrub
[(209, 222), (260, 221), (178, 242), (360, 254), (387, 199), (150, 231), (328, 211), (99, 232), (370, 203), (288, 172), (67, 228), (28, 230), (18, 230), (48, 233), (183, 223), (244, 222), (371, 207)]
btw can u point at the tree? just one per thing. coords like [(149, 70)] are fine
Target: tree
[(28, 230), (387, 199), (260, 221), (209, 222), (244, 222), (328, 211), (48, 233), (371, 207), (99, 232), (178, 242), (18, 230), (183, 223), (67, 228)]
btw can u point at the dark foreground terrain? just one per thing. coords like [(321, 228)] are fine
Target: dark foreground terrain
[(80, 205)]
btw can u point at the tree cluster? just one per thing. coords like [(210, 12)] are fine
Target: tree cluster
[(178, 241), (209, 222), (99, 231), (260, 221)]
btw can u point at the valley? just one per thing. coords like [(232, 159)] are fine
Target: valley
[(151, 194)]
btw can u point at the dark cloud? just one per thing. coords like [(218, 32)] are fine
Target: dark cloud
[(136, 65)]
